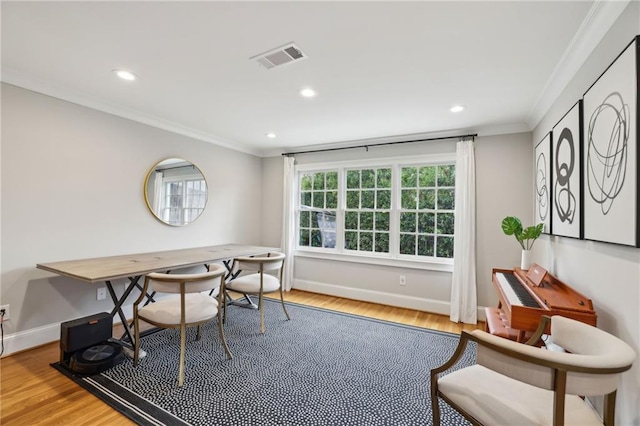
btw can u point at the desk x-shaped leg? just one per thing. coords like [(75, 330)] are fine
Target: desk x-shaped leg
[(127, 337), (117, 308)]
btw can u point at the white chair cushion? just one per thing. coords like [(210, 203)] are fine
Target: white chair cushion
[(198, 307), (251, 284), (493, 398)]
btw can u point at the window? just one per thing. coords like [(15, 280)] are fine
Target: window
[(426, 210), (318, 207), (367, 212), (401, 209), (183, 200)]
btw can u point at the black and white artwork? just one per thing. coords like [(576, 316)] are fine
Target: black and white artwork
[(566, 150), (610, 153), (542, 190)]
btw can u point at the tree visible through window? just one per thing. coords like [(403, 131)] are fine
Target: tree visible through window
[(366, 218), (427, 210)]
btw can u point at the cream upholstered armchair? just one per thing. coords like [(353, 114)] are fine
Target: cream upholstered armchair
[(258, 275), (520, 384), (188, 307)]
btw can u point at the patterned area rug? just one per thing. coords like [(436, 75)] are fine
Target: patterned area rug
[(320, 368)]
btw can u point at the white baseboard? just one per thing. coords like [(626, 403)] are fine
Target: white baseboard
[(38, 336), (23, 340), (27, 339), (391, 299)]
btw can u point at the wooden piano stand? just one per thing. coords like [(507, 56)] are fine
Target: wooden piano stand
[(495, 324)]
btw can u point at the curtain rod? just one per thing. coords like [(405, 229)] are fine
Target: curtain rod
[(462, 137), (174, 167)]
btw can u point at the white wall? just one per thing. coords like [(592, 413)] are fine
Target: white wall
[(606, 273), (504, 182), (72, 187)]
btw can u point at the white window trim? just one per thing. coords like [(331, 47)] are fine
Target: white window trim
[(371, 259), (386, 259)]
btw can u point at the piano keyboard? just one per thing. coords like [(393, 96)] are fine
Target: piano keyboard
[(514, 291)]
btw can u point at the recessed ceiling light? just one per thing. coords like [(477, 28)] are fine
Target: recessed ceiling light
[(125, 75), (308, 92), (270, 135), (457, 108)]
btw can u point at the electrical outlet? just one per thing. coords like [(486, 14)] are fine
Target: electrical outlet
[(403, 280), (7, 312), (102, 293)]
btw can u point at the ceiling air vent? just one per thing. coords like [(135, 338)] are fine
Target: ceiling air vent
[(280, 56)]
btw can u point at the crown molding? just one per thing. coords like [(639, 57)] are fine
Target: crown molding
[(493, 130), (596, 24)]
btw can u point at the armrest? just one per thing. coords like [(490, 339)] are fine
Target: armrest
[(478, 335)]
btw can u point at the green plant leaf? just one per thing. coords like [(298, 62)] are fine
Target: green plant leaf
[(529, 233), (511, 225)]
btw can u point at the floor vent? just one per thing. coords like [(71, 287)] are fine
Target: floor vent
[(282, 55)]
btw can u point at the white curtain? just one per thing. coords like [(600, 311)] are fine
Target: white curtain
[(288, 221), (463, 287), (158, 184)]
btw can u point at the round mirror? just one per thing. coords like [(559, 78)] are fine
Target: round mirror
[(175, 191)]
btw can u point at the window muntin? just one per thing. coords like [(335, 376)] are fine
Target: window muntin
[(183, 200), (367, 210), (318, 206), (427, 195), (401, 210)]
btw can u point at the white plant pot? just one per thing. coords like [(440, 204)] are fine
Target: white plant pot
[(525, 260)]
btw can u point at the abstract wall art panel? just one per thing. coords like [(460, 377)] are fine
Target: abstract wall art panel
[(542, 190), (610, 153), (566, 178)]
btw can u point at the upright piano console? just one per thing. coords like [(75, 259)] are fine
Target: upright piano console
[(526, 295)]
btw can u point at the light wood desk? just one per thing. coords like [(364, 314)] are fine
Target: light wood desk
[(134, 266)]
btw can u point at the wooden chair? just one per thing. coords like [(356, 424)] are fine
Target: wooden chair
[(258, 275), (190, 307), (514, 383)]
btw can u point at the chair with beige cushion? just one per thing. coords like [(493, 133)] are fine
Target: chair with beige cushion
[(258, 275), (520, 384), (190, 305)]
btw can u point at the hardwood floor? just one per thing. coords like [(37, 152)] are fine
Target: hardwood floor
[(32, 392)]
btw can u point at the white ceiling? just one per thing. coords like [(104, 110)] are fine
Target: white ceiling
[(381, 69)]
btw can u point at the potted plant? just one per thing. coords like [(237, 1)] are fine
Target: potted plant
[(511, 225)]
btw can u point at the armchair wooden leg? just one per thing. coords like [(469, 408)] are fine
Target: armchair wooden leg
[(182, 351), (222, 338), (609, 411), (261, 308), (284, 308), (435, 406), (560, 382)]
